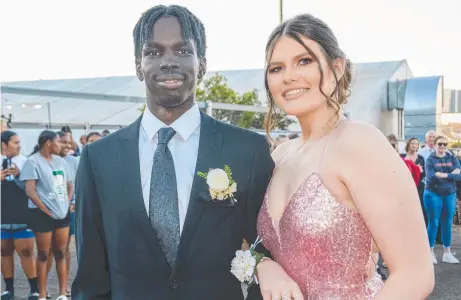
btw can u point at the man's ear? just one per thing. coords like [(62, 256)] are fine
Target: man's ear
[(139, 69)]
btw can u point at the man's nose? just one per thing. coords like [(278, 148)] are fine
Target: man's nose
[(169, 65)]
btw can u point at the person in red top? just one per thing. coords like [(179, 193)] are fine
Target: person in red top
[(414, 168)]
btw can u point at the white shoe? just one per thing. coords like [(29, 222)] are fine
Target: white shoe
[(434, 259), (62, 297), (450, 258)]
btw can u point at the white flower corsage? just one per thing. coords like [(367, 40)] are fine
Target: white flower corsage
[(220, 184), (244, 264)]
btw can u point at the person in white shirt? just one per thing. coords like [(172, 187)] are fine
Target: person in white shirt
[(429, 148)]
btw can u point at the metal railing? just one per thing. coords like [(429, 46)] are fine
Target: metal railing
[(208, 106)]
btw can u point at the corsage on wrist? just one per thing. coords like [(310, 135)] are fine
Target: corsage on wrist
[(244, 264)]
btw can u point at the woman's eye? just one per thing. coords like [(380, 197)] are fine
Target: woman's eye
[(305, 61), (275, 70)]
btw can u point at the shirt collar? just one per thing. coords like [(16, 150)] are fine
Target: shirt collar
[(184, 126)]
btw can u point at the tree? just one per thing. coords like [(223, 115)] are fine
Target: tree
[(215, 89)]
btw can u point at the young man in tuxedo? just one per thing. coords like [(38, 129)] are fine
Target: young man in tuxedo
[(146, 224)]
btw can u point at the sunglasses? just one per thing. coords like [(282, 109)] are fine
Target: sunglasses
[(442, 144)]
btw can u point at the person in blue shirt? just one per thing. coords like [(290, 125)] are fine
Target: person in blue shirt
[(442, 171)]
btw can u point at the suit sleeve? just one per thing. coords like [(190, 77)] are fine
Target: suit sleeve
[(262, 168), (92, 281)]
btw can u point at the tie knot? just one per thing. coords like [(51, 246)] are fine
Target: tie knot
[(165, 135)]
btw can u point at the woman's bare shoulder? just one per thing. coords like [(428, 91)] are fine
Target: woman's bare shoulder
[(364, 142), (355, 134)]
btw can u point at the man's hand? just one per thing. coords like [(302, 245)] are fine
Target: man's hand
[(421, 168), (275, 282), (72, 207), (456, 171)]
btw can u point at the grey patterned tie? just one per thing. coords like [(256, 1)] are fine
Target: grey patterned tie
[(163, 199)]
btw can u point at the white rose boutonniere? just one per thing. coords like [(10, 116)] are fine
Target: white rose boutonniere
[(220, 184), (244, 264)]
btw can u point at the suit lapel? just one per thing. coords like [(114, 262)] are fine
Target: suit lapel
[(130, 167), (208, 157)]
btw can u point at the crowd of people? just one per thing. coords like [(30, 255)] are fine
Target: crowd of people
[(37, 207), (436, 171)]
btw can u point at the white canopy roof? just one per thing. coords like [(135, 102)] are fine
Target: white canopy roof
[(18, 98)]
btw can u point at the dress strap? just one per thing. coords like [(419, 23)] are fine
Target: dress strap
[(321, 154), (327, 140), (284, 155)]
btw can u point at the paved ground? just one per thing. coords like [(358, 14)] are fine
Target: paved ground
[(448, 277)]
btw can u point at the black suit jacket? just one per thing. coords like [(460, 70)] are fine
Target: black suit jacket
[(119, 256)]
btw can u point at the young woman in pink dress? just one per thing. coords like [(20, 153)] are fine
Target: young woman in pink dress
[(339, 194)]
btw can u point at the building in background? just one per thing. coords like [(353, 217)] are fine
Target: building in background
[(423, 98), (450, 121), (385, 94)]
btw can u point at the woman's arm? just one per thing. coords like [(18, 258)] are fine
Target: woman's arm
[(385, 196), (431, 174), (32, 194), (456, 174), (30, 176), (415, 172), (70, 191)]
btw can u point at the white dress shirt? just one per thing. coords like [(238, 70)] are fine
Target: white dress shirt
[(425, 152), (183, 147)]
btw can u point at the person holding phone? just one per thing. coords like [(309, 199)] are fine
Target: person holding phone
[(15, 234)]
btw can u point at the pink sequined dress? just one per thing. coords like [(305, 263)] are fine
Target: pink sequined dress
[(322, 244)]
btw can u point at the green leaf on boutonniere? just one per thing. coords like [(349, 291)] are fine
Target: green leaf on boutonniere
[(228, 171), (202, 174)]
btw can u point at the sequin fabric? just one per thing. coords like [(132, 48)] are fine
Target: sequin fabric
[(322, 244)]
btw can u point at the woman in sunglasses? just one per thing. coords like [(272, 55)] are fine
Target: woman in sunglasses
[(442, 171)]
